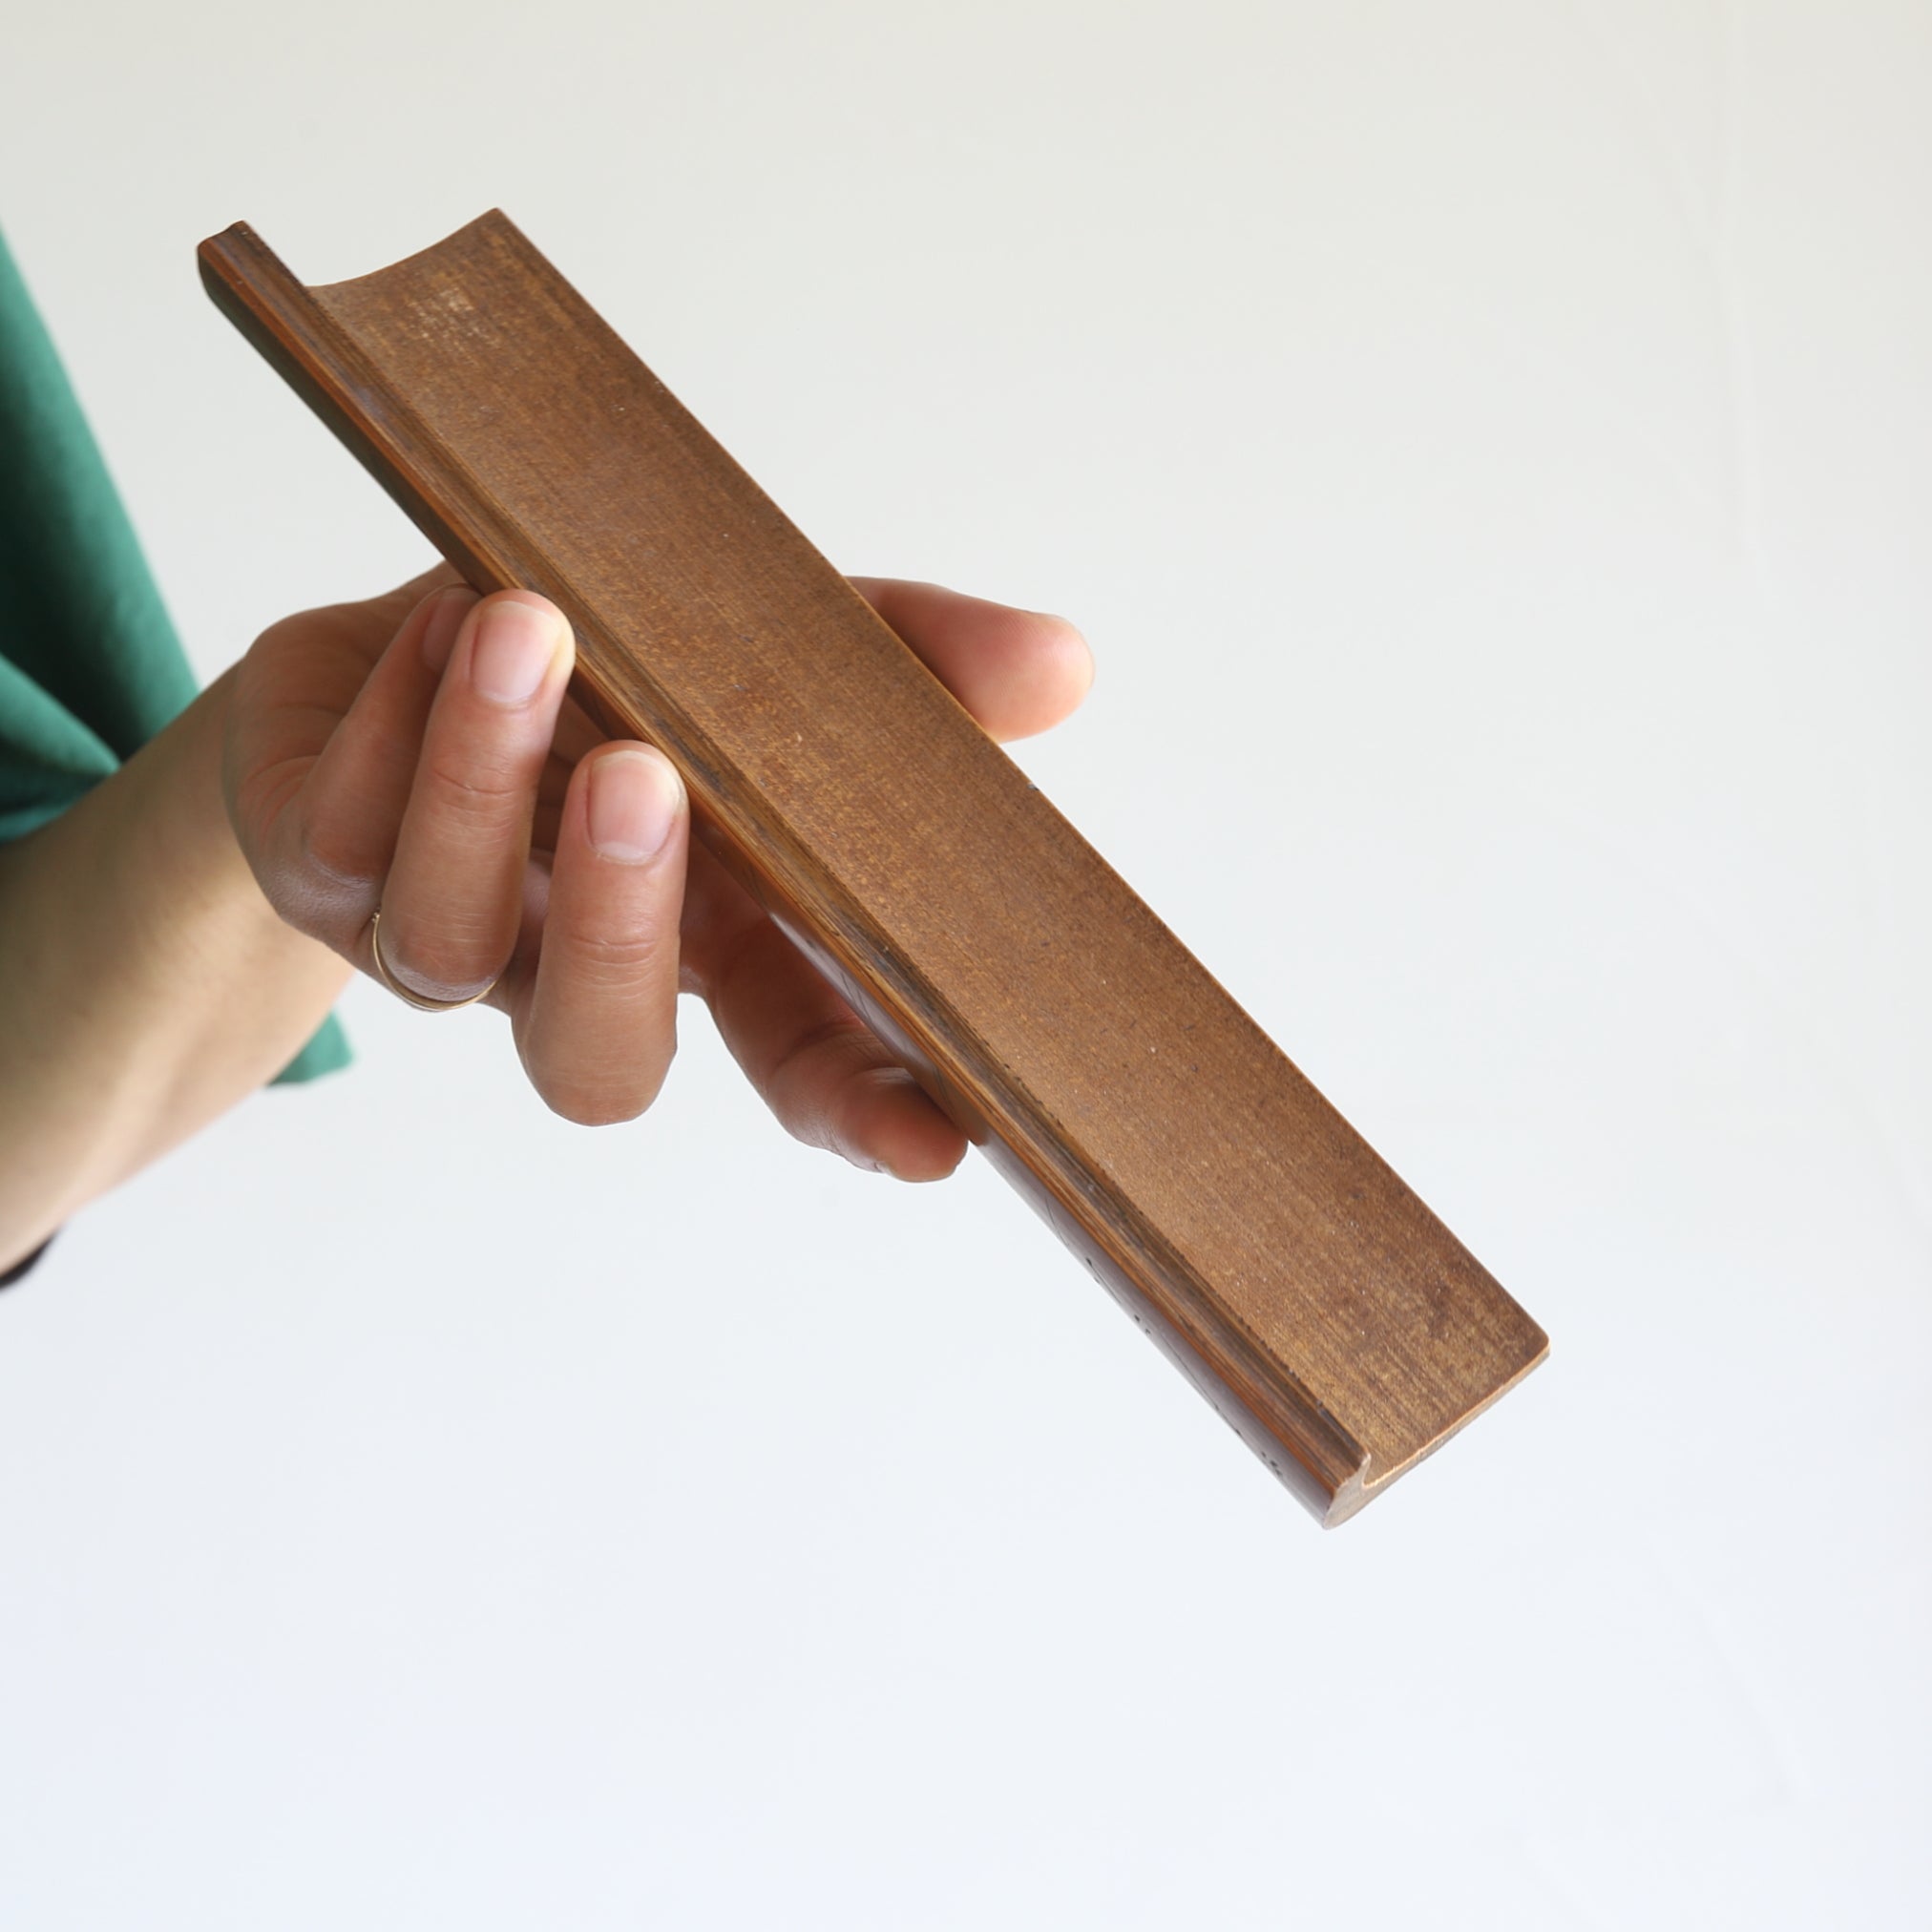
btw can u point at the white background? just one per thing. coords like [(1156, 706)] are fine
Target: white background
[(1490, 448)]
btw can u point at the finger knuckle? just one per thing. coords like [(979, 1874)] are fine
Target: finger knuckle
[(472, 791), (317, 882), (335, 855), (611, 960), (838, 1048)]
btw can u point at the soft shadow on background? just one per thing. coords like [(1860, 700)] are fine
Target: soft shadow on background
[(1491, 451)]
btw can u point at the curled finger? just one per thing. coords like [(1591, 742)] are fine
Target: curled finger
[(452, 901), (598, 1026)]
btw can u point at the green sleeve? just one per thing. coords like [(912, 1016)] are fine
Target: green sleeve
[(90, 666)]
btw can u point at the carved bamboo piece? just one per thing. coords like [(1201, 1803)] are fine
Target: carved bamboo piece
[(1284, 1266)]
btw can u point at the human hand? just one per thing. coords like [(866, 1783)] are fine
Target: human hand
[(419, 753)]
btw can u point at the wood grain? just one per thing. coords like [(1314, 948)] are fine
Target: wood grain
[(1288, 1271)]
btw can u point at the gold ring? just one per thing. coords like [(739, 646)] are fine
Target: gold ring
[(402, 991)]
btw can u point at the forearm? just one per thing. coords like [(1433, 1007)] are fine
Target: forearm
[(145, 983)]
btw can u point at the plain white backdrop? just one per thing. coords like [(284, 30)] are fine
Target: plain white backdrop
[(1490, 448)]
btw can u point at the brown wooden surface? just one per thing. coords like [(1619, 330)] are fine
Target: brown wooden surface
[(1289, 1272)]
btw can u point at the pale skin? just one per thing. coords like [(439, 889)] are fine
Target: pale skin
[(174, 938)]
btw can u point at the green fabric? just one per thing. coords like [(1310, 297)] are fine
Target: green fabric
[(90, 666)]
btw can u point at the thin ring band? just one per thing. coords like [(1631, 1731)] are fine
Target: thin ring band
[(402, 991)]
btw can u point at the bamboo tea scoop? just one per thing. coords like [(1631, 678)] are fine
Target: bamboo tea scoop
[(1239, 1219)]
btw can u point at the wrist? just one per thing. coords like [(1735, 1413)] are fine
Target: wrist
[(175, 806), (147, 984)]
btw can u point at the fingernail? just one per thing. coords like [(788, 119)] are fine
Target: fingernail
[(633, 803), (513, 648), (446, 620)]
